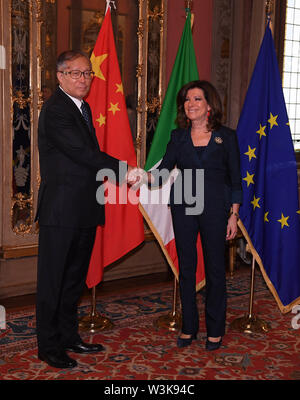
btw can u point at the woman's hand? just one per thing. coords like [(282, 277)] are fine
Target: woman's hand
[(137, 176), (231, 227)]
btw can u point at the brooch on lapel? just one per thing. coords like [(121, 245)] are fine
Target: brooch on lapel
[(218, 140)]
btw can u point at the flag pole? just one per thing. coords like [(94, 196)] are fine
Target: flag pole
[(94, 321), (173, 319), (250, 323)]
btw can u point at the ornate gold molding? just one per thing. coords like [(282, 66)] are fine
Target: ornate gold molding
[(157, 13), (7, 252), (26, 64), (150, 71), (139, 70), (141, 28), (40, 98), (21, 214), (20, 100), (154, 104)]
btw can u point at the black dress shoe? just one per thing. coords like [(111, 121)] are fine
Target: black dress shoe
[(57, 359), (184, 342), (81, 347), (213, 345)]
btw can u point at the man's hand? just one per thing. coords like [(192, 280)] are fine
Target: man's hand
[(136, 176)]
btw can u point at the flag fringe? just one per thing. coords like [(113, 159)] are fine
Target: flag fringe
[(283, 309), (201, 284)]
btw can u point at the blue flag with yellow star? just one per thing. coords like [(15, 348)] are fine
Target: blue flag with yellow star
[(270, 209)]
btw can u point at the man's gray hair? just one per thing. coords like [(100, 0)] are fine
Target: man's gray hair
[(70, 55)]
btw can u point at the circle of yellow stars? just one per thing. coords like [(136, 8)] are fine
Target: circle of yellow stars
[(249, 178)]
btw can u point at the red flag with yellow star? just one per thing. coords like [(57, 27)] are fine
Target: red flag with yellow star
[(123, 229)]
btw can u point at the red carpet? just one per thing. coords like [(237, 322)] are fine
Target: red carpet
[(136, 350)]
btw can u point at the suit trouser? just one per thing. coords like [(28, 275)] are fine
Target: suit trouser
[(212, 226), (63, 261)]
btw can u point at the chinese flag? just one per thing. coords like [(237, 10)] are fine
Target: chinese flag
[(123, 229)]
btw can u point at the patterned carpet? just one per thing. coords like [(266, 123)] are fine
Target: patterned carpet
[(136, 350)]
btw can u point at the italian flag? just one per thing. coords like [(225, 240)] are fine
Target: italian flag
[(154, 203)]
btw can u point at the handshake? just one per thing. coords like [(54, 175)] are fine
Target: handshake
[(136, 177)]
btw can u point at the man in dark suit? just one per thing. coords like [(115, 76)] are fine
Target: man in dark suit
[(67, 211)]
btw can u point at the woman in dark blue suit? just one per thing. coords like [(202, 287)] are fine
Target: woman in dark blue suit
[(202, 143)]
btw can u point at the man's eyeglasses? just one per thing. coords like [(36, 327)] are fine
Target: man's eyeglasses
[(76, 74)]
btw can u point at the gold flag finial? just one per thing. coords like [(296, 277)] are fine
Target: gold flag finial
[(269, 8), (188, 7), (269, 12), (188, 4), (108, 4)]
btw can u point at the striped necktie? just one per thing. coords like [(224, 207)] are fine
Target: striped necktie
[(86, 115)]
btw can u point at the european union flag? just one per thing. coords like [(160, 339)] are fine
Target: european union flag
[(270, 211)]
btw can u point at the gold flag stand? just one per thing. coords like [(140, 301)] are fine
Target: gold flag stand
[(94, 321), (250, 323), (172, 320)]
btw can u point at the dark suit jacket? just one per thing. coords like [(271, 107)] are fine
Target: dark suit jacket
[(69, 160), (220, 161)]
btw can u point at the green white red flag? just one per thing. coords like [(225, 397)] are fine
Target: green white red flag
[(155, 211)]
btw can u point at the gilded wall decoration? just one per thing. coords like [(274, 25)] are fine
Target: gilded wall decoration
[(25, 66), (21, 115), (150, 72), (48, 48), (221, 51)]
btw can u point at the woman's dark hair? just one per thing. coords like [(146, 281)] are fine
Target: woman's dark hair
[(213, 99)]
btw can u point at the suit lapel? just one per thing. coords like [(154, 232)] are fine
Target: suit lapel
[(79, 117), (215, 140), (211, 146), (191, 151), (93, 132)]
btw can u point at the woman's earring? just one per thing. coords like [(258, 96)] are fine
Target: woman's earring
[(207, 115)]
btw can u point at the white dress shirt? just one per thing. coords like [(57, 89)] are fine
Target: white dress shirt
[(76, 101)]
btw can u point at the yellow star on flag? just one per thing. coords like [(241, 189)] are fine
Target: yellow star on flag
[(96, 64), (272, 120), (101, 120), (249, 179), (251, 153), (283, 221), (114, 108), (255, 202), (298, 212), (261, 131), (266, 217), (119, 88)]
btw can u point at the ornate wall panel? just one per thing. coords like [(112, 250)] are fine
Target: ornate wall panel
[(237, 35), (22, 22), (48, 49), (221, 51), (150, 71), (21, 116)]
